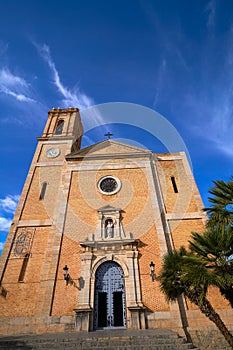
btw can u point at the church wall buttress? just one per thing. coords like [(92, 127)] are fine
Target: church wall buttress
[(182, 206), (65, 296), (21, 298), (35, 207), (149, 250), (181, 230), (179, 189)]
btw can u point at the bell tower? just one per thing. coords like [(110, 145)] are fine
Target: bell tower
[(64, 124), (28, 266)]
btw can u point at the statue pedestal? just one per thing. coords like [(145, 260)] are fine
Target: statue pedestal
[(83, 319), (137, 319)]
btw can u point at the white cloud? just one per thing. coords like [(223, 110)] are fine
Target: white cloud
[(19, 97), (72, 98), (9, 203), (2, 245), (7, 209), (5, 224), (9, 80), (13, 85)]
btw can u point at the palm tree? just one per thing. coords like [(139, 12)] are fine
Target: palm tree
[(215, 246), (221, 203), (184, 273), (215, 249)]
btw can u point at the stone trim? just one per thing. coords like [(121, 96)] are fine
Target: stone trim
[(110, 243), (57, 139), (104, 145), (50, 163), (108, 156), (185, 216), (81, 166), (53, 141), (169, 157), (162, 228), (33, 223)]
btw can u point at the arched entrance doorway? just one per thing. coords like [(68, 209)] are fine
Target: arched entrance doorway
[(109, 309)]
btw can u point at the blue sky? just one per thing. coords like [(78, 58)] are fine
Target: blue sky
[(175, 57)]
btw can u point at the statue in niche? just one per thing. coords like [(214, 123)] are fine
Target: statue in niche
[(109, 228)]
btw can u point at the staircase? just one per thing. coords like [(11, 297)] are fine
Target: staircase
[(157, 339)]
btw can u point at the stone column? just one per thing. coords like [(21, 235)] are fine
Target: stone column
[(83, 313), (134, 304)]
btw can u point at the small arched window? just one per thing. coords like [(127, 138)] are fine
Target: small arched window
[(59, 127), (43, 190), (24, 267)]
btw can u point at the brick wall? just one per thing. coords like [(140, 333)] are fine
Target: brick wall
[(21, 297)]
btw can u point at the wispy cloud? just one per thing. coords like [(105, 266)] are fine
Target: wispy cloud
[(211, 14), (19, 97), (213, 104), (7, 209), (213, 119), (203, 95), (9, 203), (220, 129), (159, 82), (1, 245), (171, 50), (3, 48), (9, 80), (71, 97), (5, 224), (14, 86)]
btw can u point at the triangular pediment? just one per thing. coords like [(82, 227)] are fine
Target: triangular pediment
[(108, 148)]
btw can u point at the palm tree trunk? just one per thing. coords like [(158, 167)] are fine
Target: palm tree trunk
[(207, 309)]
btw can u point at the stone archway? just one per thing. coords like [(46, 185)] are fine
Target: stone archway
[(109, 297)]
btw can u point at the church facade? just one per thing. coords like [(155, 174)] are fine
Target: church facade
[(90, 232)]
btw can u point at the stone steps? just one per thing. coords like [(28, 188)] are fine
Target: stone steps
[(162, 339)]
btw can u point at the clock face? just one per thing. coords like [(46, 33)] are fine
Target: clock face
[(53, 152), (109, 185)]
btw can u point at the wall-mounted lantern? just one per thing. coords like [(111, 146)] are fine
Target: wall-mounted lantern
[(66, 275), (152, 271)]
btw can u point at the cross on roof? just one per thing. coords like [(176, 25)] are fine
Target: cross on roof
[(108, 135)]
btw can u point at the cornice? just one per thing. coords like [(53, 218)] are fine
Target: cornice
[(108, 156)]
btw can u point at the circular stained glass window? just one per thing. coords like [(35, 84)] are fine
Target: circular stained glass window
[(109, 185)]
